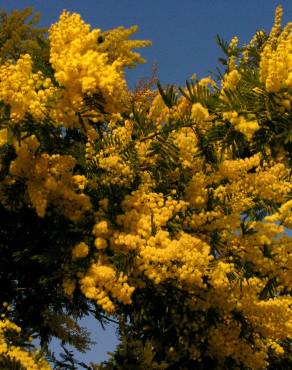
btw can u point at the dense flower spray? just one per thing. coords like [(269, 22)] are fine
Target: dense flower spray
[(177, 196)]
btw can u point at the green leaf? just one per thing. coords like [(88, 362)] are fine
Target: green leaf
[(168, 94)]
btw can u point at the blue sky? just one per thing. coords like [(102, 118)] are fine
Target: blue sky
[(183, 35)]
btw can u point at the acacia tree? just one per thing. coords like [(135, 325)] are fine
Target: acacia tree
[(165, 208)]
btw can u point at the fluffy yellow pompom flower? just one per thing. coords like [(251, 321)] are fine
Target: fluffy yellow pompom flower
[(102, 280), (101, 228), (80, 250), (231, 79), (23, 90), (49, 180), (100, 243), (246, 126), (199, 113), (81, 69), (276, 57)]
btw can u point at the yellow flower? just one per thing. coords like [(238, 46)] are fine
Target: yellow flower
[(81, 69), (100, 243), (80, 250), (199, 113)]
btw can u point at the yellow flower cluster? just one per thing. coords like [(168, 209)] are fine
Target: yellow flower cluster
[(28, 360), (225, 340), (231, 62), (200, 117), (114, 166), (115, 169), (229, 82), (80, 181), (276, 29), (186, 141), (159, 256), (207, 81), (80, 250), (283, 215), (102, 281), (101, 231), (199, 113), (276, 58), (185, 259), (269, 183), (270, 319), (270, 237), (231, 79), (235, 169), (195, 232), (159, 113), (23, 90), (81, 69), (48, 179), (124, 133), (246, 126), (239, 189), (196, 191), (145, 209)]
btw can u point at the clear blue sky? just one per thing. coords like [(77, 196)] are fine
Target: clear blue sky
[(183, 35)]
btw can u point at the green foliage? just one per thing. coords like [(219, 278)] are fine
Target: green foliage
[(197, 93), (168, 95)]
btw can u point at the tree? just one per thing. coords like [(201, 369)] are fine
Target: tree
[(166, 208)]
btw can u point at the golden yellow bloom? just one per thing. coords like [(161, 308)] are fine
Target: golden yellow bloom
[(100, 281), (276, 58), (23, 90), (231, 79), (101, 228), (80, 250), (49, 180), (199, 113), (196, 226), (246, 126), (100, 243), (81, 69), (80, 181)]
